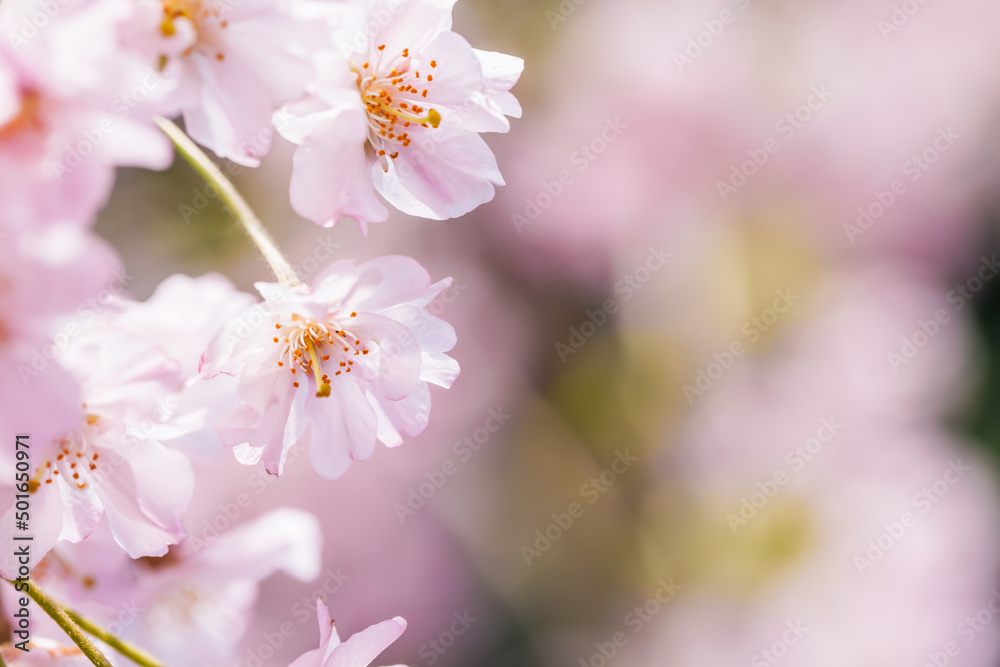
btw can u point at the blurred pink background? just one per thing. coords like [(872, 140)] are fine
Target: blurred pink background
[(735, 303)]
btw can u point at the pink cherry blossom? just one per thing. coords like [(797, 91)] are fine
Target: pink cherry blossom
[(358, 651), (400, 113), (71, 110), (111, 461), (51, 282), (232, 62), (181, 318), (348, 361), (184, 314), (193, 605)]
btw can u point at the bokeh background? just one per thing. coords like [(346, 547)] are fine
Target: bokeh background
[(729, 342)]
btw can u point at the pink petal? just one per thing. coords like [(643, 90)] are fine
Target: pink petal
[(410, 415), (363, 647), (262, 418), (283, 539), (344, 428), (330, 173), (459, 75), (388, 281), (448, 182), (413, 24), (140, 517), (398, 353), (44, 526)]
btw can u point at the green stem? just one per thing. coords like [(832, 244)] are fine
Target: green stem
[(59, 615), (133, 653), (233, 201)]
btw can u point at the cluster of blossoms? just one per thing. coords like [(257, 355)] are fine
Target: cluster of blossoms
[(386, 105)]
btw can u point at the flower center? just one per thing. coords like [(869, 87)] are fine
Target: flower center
[(392, 90), (175, 9), (197, 14), (307, 343), (76, 463), (27, 119)]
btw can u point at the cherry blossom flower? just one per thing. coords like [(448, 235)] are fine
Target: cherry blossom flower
[(360, 648), (232, 62), (184, 314), (191, 606), (197, 606), (111, 462), (72, 108), (400, 114), (349, 360), (52, 281), (181, 318)]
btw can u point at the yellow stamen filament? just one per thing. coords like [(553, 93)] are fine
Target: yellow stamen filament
[(323, 387)]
